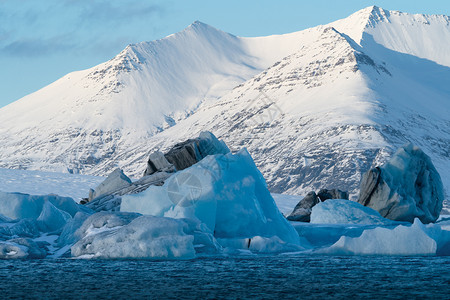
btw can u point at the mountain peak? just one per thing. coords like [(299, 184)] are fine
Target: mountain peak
[(200, 26)]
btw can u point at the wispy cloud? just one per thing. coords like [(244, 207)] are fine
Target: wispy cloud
[(116, 11), (43, 28), (36, 47)]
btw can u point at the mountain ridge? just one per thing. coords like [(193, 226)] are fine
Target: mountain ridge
[(346, 93)]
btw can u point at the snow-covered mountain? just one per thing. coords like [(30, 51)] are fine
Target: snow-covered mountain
[(315, 108)]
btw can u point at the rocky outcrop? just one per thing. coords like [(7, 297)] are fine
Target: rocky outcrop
[(302, 210), (406, 187)]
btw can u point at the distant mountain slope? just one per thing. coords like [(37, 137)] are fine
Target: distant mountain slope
[(315, 108), (89, 120)]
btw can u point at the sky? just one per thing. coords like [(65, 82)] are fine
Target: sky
[(41, 41)]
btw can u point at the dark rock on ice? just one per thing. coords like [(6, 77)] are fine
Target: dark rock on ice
[(188, 153), (112, 201), (107, 196), (325, 194), (157, 162), (302, 210), (406, 187)]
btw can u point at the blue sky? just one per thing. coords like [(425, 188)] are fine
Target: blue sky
[(40, 41)]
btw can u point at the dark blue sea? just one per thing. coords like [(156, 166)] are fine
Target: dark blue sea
[(272, 277)]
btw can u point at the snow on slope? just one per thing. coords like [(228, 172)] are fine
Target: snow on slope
[(341, 98), (334, 109), (89, 120)]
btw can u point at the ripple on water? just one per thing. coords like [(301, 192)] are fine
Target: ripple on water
[(250, 277)]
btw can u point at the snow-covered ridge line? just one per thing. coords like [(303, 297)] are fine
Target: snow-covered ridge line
[(346, 97)]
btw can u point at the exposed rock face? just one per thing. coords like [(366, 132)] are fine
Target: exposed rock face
[(115, 181), (406, 187), (302, 210), (325, 194)]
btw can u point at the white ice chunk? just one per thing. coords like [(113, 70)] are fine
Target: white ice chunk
[(340, 211), (402, 240), (144, 237)]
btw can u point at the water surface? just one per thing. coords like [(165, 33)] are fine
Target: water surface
[(271, 277)]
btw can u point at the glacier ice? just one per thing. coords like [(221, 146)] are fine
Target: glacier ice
[(402, 240), (69, 231), (226, 193), (406, 187), (115, 181), (22, 206), (144, 237), (51, 218), (10, 250), (21, 248), (22, 228), (341, 211)]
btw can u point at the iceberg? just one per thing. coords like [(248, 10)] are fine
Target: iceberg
[(144, 237), (224, 192), (341, 211), (406, 187), (22, 206), (21, 248), (22, 228), (69, 233), (51, 218), (115, 181), (402, 240), (10, 250)]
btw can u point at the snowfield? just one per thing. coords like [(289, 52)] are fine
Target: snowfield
[(43, 183)]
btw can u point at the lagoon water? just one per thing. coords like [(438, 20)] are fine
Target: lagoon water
[(270, 277)]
